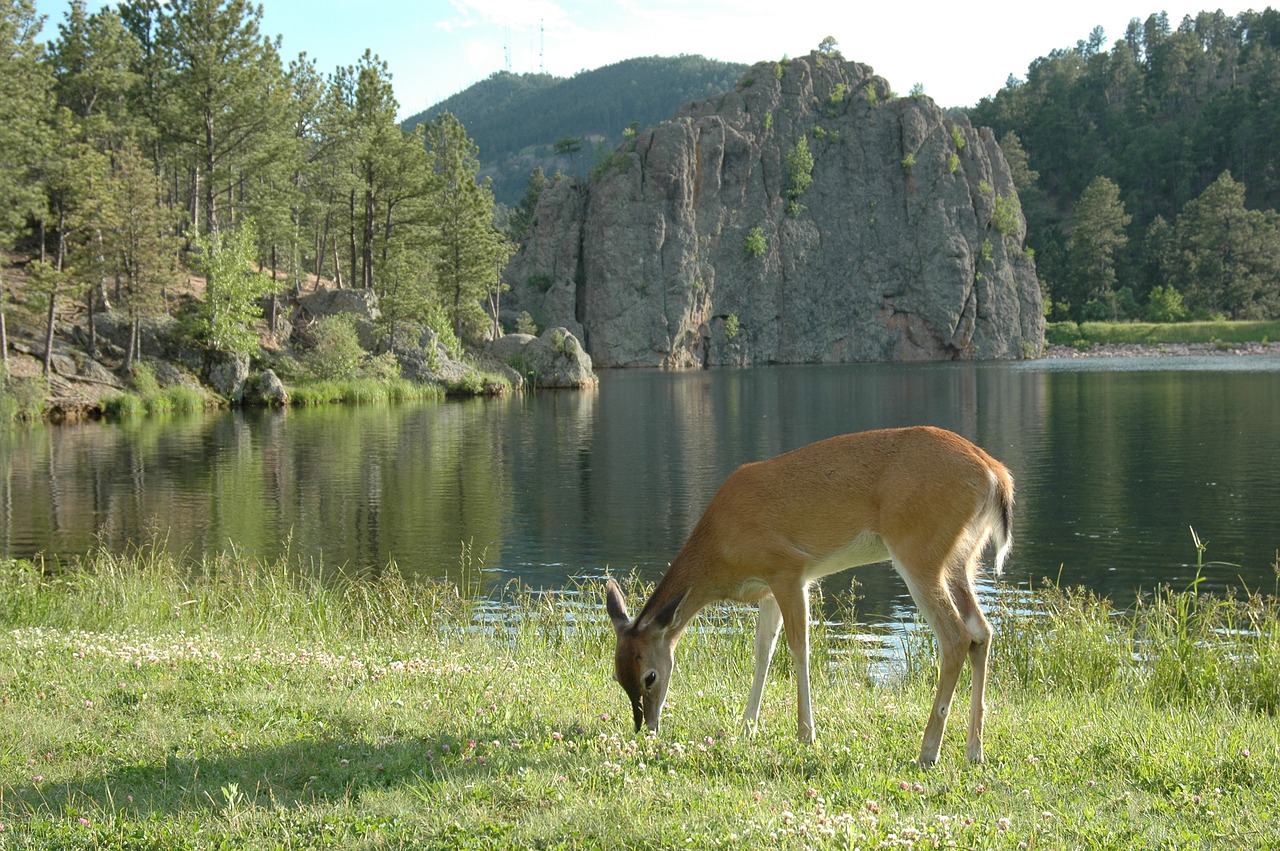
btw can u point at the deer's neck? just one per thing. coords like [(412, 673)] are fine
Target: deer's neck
[(692, 579)]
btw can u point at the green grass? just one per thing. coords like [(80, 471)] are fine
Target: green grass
[(178, 399), (22, 399), (151, 702), (1150, 333), (360, 391)]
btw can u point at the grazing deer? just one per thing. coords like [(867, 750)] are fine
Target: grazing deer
[(924, 498)]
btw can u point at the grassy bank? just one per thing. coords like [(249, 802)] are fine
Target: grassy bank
[(1085, 334), (230, 704)]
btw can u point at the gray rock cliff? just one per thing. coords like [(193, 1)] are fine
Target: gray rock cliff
[(697, 242)]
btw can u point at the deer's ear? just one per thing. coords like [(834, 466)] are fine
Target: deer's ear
[(666, 616), (616, 605)]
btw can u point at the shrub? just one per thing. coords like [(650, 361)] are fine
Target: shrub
[(799, 165), (957, 138), (144, 379), (1164, 304), (337, 354), (731, 327), (1007, 212), (383, 367), (541, 281), (22, 399), (437, 320), (953, 163), (754, 245), (525, 324), (908, 162)]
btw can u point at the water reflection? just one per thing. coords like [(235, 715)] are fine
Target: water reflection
[(1113, 460)]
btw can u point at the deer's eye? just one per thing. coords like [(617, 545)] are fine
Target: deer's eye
[(650, 678)]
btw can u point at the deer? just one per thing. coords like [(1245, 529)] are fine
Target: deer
[(922, 498)]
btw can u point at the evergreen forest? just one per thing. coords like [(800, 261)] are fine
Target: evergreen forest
[(151, 141), (1149, 171)]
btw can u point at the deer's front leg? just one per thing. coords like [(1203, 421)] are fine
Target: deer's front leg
[(767, 628), (794, 604)]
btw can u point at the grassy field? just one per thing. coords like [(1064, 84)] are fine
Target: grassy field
[(149, 703), (1221, 332)]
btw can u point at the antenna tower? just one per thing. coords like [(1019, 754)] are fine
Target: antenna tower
[(542, 47)]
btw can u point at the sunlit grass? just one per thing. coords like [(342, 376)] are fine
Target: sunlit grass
[(155, 701), (1151, 333), (360, 391)]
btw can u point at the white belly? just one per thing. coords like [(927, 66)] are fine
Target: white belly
[(865, 549)]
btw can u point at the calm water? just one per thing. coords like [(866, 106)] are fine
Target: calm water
[(1114, 460)]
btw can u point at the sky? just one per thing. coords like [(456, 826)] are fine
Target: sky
[(959, 52)]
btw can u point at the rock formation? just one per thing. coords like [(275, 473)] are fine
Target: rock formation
[(807, 216)]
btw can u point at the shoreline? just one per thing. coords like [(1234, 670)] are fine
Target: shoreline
[(1158, 350)]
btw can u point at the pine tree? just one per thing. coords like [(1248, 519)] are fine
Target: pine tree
[(141, 248), (25, 103), (95, 61), (1230, 255), (470, 251), (1098, 237), (521, 218), (224, 100)]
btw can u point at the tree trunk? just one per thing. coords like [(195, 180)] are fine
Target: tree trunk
[(4, 335), (132, 346), (324, 240), (4, 343), (210, 196), (351, 205), (195, 200), (271, 305), (366, 253), (53, 295)]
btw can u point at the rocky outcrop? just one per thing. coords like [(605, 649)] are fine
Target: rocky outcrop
[(699, 243), (554, 360), (359, 304)]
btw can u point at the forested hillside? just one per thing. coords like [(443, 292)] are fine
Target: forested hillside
[(1151, 174), (146, 144), (517, 120)]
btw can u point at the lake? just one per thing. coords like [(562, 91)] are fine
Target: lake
[(1115, 460)]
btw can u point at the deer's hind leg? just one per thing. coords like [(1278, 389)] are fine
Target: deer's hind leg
[(965, 596), (932, 595)]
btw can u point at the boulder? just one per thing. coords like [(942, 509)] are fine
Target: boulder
[(227, 374), (271, 390), (330, 302), (557, 360)]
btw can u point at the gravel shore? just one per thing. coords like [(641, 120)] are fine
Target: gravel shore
[(1142, 350)]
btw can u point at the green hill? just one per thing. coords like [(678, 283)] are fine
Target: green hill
[(1182, 120), (516, 119)]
